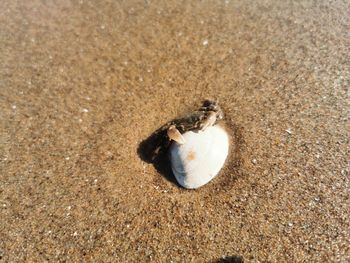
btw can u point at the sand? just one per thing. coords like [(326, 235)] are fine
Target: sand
[(83, 83)]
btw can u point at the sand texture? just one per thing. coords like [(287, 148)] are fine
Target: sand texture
[(84, 83)]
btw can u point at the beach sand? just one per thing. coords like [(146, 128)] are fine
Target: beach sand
[(83, 83)]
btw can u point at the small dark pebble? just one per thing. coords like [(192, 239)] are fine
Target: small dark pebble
[(231, 259)]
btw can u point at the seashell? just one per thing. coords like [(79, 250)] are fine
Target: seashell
[(200, 158)]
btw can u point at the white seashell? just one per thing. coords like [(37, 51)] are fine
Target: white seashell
[(200, 159)]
